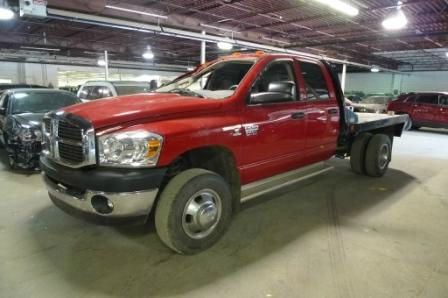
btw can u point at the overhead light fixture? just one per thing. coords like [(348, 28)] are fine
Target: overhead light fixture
[(40, 49), (5, 11), (397, 20), (375, 69), (136, 11), (225, 45), (447, 54), (101, 62), (148, 55), (190, 68), (340, 6)]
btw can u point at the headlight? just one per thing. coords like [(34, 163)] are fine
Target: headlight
[(130, 149), (29, 134)]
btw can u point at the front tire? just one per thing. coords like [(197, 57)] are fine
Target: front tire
[(193, 211), (378, 155)]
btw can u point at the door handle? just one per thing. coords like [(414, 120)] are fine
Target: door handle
[(298, 115), (333, 111)]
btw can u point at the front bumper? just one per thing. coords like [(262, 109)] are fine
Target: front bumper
[(99, 196), (25, 154)]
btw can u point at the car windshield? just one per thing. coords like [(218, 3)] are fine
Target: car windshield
[(131, 89), (40, 102), (377, 99), (218, 81)]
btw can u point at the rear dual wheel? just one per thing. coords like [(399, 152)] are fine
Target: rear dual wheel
[(371, 155)]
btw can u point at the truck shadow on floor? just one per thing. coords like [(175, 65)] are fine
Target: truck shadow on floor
[(133, 262)]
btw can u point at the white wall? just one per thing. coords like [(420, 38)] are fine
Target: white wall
[(388, 82), (44, 74)]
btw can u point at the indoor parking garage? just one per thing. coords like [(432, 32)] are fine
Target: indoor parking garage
[(224, 148)]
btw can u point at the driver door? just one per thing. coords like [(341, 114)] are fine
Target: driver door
[(273, 133)]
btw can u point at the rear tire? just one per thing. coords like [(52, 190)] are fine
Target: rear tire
[(358, 153), (193, 211), (378, 155)]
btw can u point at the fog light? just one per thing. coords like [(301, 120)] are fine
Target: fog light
[(102, 205)]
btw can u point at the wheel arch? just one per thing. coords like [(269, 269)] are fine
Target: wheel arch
[(215, 158)]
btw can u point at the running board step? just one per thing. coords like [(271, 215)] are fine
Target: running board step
[(258, 188)]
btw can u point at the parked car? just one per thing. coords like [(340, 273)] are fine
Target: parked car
[(373, 104), (429, 109), (195, 149), (100, 89), (16, 86), (21, 113)]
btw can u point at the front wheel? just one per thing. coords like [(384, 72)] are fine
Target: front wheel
[(193, 211)]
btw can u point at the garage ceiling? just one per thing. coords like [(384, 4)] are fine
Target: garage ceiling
[(293, 24)]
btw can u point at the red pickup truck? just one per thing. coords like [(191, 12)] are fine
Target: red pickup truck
[(194, 149)]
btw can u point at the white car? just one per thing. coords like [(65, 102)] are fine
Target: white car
[(92, 90)]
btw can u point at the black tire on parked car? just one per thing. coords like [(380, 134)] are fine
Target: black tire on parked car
[(378, 155), (358, 153), (193, 211)]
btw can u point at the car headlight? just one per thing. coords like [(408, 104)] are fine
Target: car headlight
[(130, 149), (29, 134)]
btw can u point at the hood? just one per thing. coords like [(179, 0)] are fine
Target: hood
[(29, 119), (117, 110)]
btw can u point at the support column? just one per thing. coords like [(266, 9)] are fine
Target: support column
[(106, 66), (203, 47), (344, 77)]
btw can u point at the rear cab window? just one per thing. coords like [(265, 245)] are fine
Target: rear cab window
[(316, 85)]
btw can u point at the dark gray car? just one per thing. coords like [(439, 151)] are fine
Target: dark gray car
[(21, 114)]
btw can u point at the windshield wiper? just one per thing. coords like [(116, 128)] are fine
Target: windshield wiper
[(186, 92)]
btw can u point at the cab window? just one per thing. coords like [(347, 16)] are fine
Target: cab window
[(444, 100), (316, 85)]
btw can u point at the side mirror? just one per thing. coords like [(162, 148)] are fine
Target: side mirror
[(2, 111), (277, 92)]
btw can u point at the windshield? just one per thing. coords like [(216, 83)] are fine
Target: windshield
[(131, 89), (41, 102), (217, 82), (377, 100)]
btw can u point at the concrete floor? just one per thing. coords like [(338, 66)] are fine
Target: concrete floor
[(338, 235)]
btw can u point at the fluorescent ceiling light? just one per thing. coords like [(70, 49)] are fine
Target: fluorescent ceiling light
[(6, 14), (340, 6), (136, 11), (447, 54), (224, 45), (148, 55), (396, 21), (375, 69), (41, 49), (190, 68), (101, 62)]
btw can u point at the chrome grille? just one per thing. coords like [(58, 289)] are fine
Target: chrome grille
[(69, 140), (71, 153), (47, 125), (69, 131)]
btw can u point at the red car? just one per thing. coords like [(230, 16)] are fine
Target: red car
[(429, 109), (194, 149)]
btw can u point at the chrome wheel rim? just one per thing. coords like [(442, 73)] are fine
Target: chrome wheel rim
[(202, 214), (383, 158)]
